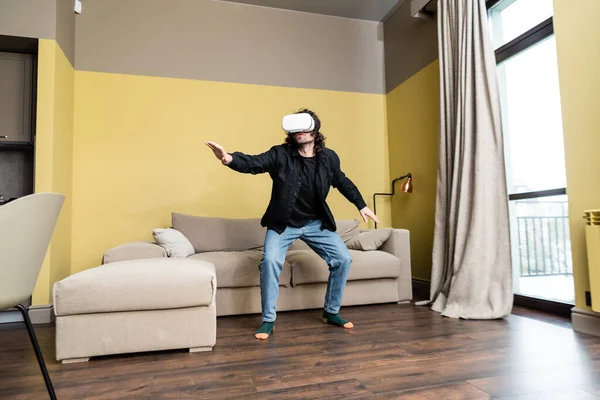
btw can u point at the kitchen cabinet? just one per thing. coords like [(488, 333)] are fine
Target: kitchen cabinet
[(16, 98)]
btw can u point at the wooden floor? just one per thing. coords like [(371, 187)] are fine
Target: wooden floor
[(394, 351)]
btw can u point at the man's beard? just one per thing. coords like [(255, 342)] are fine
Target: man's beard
[(306, 140)]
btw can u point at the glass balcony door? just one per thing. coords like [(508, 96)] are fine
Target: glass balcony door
[(523, 35)]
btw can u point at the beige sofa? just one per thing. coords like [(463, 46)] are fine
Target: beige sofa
[(380, 270)]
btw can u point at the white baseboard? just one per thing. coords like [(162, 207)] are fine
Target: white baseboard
[(43, 314), (585, 321)]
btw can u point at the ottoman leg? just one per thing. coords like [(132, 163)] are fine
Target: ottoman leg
[(199, 349), (75, 360)]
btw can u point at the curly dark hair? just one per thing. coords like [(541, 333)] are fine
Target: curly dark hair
[(319, 137)]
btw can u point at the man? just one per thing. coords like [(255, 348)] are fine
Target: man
[(302, 170)]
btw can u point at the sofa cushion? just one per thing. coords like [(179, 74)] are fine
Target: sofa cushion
[(299, 244), (220, 234), (240, 268), (136, 285), (308, 267)]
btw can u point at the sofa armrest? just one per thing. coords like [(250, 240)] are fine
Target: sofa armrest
[(133, 251), (398, 244)]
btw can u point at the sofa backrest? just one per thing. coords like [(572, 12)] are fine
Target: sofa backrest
[(220, 234), (231, 234)]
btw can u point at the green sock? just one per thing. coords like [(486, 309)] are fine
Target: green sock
[(335, 319), (265, 330)]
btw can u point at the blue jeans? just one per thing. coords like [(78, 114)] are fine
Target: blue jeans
[(327, 244)]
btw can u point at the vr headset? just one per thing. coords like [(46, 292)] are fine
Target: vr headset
[(294, 123)]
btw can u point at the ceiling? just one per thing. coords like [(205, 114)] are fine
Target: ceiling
[(370, 10)]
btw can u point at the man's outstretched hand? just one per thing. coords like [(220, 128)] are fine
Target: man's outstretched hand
[(220, 152), (366, 212)]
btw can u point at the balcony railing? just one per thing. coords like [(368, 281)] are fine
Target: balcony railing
[(544, 246)]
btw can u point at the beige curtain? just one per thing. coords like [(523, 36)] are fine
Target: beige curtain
[(471, 274)]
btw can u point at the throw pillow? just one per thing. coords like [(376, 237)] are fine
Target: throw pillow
[(348, 228), (370, 240), (174, 242)]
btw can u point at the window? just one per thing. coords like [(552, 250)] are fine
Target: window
[(523, 37), (510, 19)]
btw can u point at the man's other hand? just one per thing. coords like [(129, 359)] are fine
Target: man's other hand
[(220, 152), (366, 212)]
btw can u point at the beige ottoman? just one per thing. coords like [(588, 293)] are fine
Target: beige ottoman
[(136, 306)]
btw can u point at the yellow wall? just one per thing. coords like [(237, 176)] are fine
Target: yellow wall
[(577, 31), (43, 143), (139, 152), (62, 165), (412, 118), (54, 157)]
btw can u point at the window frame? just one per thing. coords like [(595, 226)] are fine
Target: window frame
[(542, 31), (521, 43)]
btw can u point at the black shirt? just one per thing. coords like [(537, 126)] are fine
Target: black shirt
[(306, 208), (282, 163)]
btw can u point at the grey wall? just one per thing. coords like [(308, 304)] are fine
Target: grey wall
[(28, 18), (224, 41), (410, 45), (65, 28), (370, 10), (42, 19)]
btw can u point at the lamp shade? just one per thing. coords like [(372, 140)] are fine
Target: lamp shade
[(407, 185)]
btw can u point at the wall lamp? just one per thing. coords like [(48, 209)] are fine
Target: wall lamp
[(406, 187)]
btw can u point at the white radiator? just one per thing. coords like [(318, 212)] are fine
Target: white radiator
[(592, 237)]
